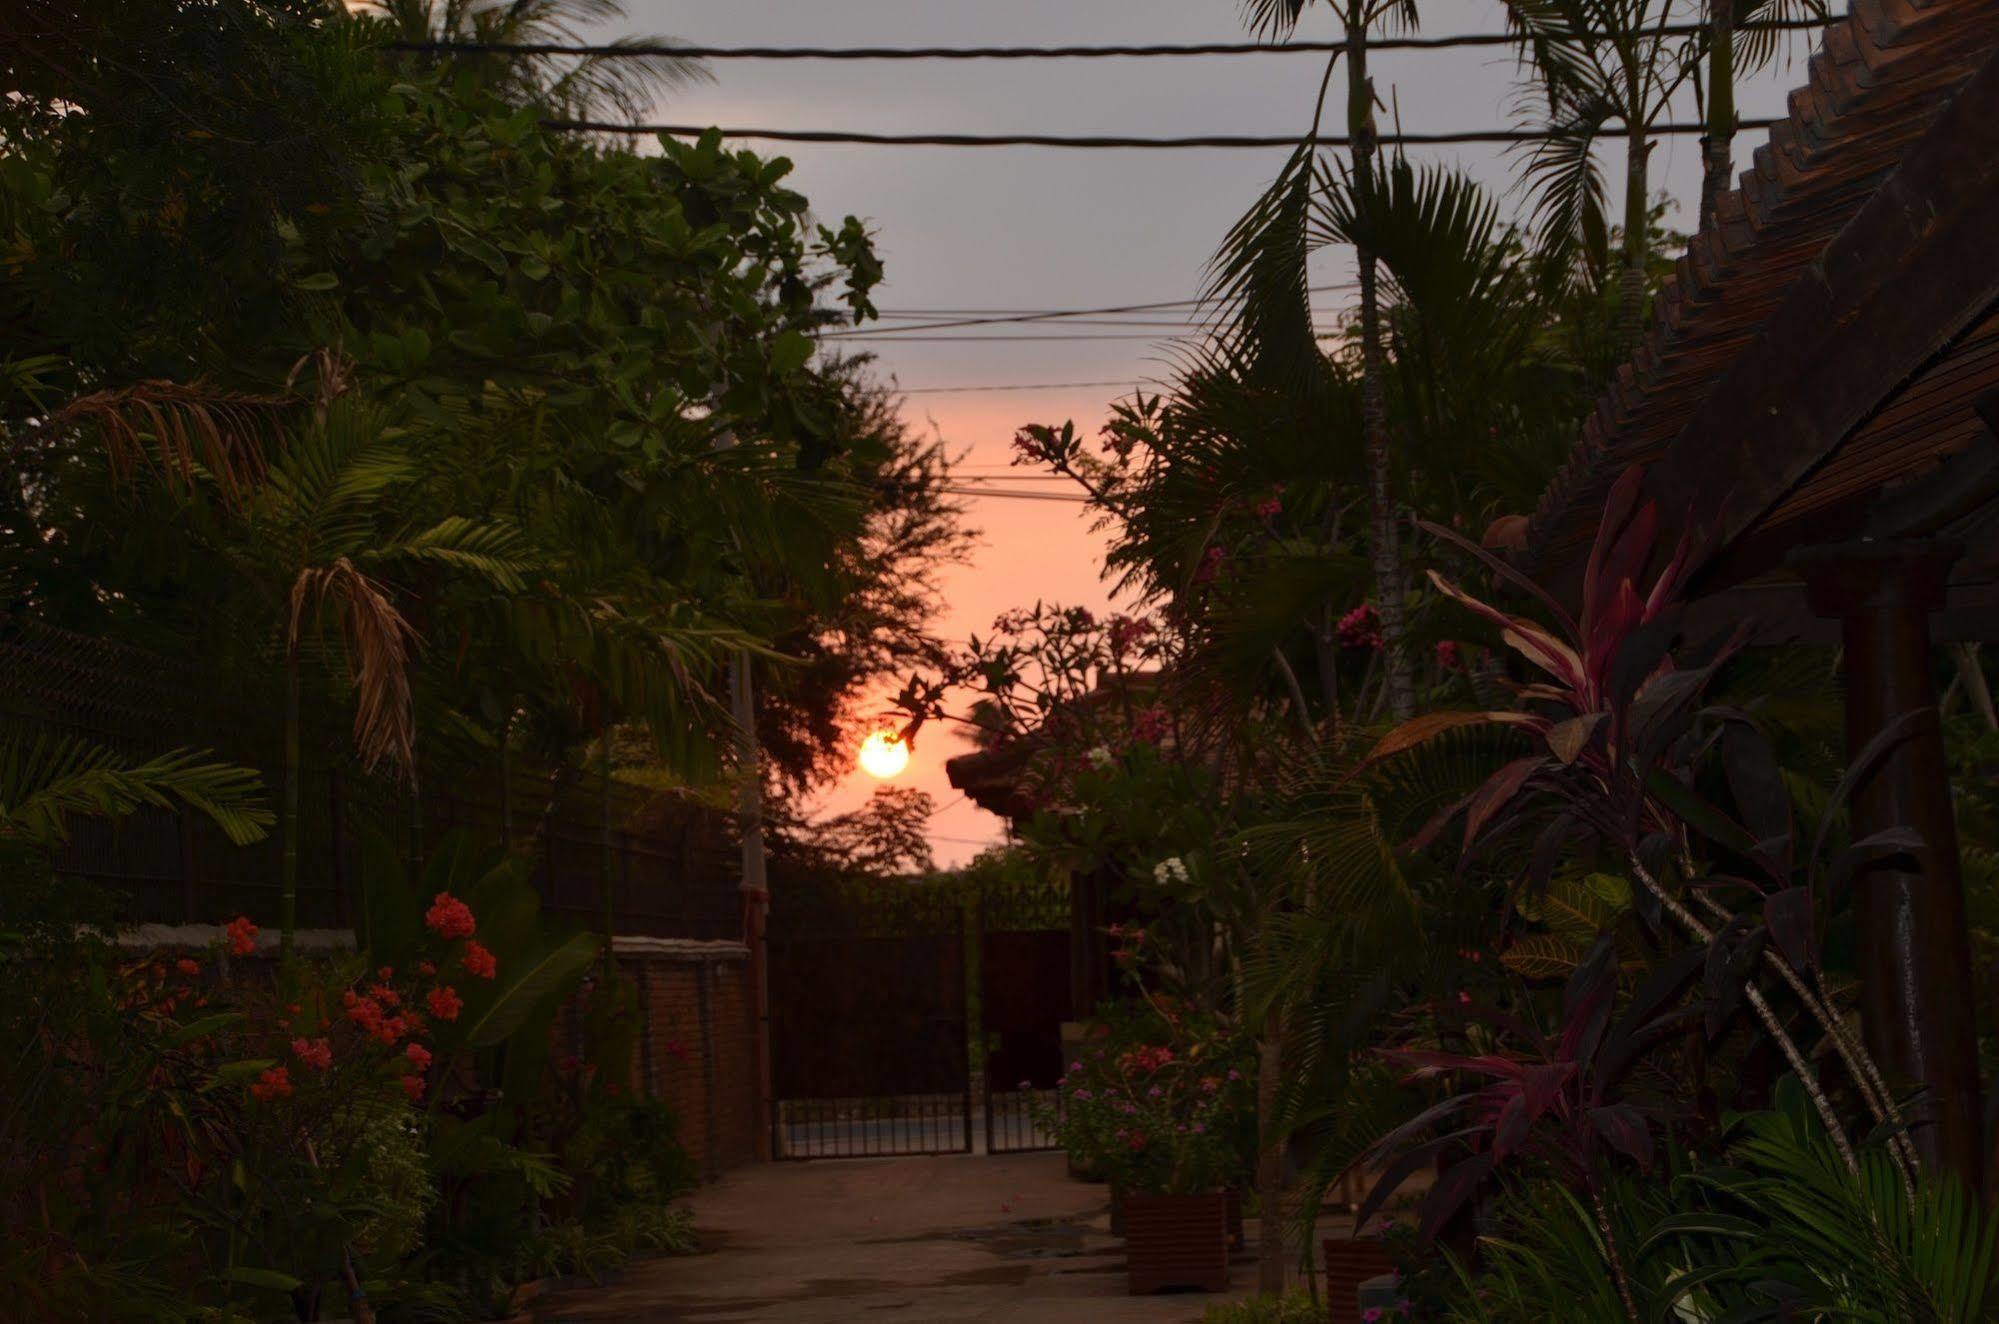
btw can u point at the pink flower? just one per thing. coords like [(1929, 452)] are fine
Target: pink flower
[(1370, 1315), (272, 1083), (242, 935), (1447, 655), (1270, 507), (1210, 566), (315, 1053), (444, 1003), (449, 918), (478, 961), (1361, 628)]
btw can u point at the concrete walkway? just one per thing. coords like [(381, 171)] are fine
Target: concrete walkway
[(1007, 1239)]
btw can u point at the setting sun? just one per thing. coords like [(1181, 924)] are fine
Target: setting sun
[(884, 754)]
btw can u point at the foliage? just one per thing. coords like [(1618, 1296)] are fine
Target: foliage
[(1293, 1308), (1155, 1105)]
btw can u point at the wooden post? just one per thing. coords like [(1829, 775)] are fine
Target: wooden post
[(1914, 955)]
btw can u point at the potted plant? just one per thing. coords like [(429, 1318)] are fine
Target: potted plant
[(1156, 1126)]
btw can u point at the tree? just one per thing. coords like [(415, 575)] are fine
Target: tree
[(1599, 63), (570, 87)]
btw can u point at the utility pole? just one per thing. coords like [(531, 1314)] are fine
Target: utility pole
[(755, 885)]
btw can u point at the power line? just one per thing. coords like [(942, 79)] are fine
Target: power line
[(1011, 386), (1074, 312), (1060, 314), (642, 50), (1038, 338), (1100, 141)]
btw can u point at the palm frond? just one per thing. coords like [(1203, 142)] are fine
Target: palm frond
[(496, 552), (47, 781), (180, 429), (378, 642)]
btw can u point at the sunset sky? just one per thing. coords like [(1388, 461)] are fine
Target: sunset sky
[(1029, 228)]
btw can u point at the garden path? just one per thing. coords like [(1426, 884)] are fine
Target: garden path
[(1000, 1240)]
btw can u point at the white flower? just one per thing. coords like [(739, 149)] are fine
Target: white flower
[(1173, 870), (1100, 757)]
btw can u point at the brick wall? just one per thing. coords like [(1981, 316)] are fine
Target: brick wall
[(697, 1045)]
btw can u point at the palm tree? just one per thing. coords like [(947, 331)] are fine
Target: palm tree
[(1276, 19), (1730, 48), (572, 87), (1599, 63), (332, 515)]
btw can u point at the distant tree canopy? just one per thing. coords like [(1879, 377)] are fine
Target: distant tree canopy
[(602, 360)]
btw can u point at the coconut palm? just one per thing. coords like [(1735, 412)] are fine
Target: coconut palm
[(573, 87)]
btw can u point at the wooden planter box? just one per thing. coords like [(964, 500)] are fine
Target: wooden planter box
[(1176, 1241), (1351, 1261), (1236, 1238)]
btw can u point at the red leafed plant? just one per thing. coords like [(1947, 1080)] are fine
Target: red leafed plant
[(1619, 719)]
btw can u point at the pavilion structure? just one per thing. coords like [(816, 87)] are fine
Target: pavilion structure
[(1815, 402)]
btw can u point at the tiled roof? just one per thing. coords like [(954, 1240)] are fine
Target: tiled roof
[(1879, 81)]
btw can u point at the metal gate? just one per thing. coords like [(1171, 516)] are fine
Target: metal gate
[(1023, 1000), (869, 1054)]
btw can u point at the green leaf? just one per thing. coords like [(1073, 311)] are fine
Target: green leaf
[(318, 281), (545, 976), (204, 1027), (270, 1279), (790, 352)]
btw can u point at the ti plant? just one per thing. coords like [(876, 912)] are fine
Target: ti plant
[(1621, 719), (1562, 1099)]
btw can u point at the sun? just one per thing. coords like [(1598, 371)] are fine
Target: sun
[(884, 754)]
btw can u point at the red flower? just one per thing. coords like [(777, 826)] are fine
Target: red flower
[(1270, 507), (1447, 655), (187, 967), (478, 961), (419, 1057), (385, 995), (444, 1003), (273, 1083), (1361, 628), (450, 918), (317, 1053), (413, 1087), (1210, 566), (242, 935), (426, 967)]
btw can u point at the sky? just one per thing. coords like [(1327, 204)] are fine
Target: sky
[(1036, 228)]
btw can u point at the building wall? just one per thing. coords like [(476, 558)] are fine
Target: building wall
[(697, 1046)]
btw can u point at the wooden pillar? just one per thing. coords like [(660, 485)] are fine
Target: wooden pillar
[(1914, 954)]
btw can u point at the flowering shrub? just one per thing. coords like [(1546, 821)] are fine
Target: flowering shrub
[(1153, 1116)]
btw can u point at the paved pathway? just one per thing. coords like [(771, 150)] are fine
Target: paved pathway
[(1004, 1240)]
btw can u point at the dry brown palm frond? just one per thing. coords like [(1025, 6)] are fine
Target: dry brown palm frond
[(175, 427), (331, 368), (378, 641)]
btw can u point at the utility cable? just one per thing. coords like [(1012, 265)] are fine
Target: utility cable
[(1111, 141), (689, 51)]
